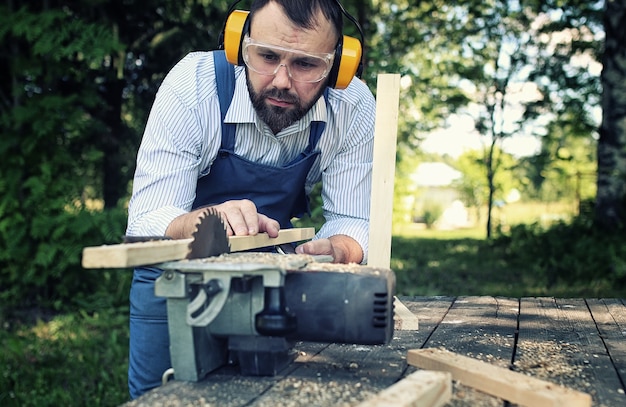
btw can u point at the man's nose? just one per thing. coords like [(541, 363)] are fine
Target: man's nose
[(282, 79)]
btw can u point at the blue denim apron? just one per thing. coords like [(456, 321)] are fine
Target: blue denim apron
[(278, 192)]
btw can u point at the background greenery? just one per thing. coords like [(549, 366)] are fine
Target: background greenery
[(76, 85)]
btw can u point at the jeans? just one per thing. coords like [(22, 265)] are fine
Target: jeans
[(149, 354)]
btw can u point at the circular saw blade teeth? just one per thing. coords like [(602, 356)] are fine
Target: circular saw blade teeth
[(210, 237)]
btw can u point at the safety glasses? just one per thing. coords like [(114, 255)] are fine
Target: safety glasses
[(267, 59)]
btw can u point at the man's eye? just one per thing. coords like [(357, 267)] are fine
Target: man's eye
[(269, 57), (306, 64)]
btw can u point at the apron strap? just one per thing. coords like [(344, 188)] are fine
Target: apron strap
[(225, 80)]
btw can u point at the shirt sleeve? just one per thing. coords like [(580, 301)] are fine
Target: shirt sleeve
[(174, 148), (347, 180)]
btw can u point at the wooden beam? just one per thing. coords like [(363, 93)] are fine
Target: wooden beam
[(383, 169), (158, 251), (512, 386), (404, 319), (243, 243), (423, 388)]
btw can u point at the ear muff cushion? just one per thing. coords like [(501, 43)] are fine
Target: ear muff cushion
[(236, 27), (350, 59)]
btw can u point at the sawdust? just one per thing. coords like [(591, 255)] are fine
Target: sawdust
[(296, 262)]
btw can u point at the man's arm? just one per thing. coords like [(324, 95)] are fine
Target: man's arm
[(346, 175)]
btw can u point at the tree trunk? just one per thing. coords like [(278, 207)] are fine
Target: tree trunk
[(610, 201)]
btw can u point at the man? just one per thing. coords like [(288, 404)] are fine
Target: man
[(257, 175)]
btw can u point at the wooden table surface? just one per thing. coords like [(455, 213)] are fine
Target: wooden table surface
[(577, 343)]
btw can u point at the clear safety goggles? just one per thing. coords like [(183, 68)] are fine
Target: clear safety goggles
[(301, 66)]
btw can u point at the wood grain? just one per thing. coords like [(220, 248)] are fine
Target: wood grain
[(383, 169), (145, 253)]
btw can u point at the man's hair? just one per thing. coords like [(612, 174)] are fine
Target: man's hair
[(302, 12)]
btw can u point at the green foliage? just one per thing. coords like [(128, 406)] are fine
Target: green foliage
[(431, 212), (574, 254), (564, 260), (40, 257), (76, 359), (316, 217)]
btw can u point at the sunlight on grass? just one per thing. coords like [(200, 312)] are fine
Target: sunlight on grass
[(48, 364), (409, 230)]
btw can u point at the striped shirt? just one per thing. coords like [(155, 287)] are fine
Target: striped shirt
[(183, 135)]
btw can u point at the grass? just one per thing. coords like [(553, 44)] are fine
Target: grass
[(72, 359), (450, 262), (464, 263)]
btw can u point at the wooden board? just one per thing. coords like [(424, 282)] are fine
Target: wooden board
[(559, 340), (383, 169), (159, 251), (610, 318), (424, 388), (479, 327), (243, 243), (403, 318), (500, 382)]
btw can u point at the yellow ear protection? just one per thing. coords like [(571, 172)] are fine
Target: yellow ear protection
[(348, 53)]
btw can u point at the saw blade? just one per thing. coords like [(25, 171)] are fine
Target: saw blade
[(210, 237)]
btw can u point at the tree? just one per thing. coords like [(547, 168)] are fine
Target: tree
[(77, 82), (610, 209), (480, 59)]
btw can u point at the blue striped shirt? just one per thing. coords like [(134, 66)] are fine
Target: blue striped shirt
[(183, 135)]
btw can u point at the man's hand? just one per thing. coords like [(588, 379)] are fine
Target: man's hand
[(240, 219), (342, 248)]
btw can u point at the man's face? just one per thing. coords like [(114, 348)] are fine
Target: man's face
[(278, 99)]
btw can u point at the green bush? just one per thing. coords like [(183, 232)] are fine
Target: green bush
[(40, 258), (575, 254), (432, 211)]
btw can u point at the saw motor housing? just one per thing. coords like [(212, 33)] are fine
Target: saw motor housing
[(239, 309)]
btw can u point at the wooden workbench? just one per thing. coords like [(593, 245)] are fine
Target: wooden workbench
[(578, 343)]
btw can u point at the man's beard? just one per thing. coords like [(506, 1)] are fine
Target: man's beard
[(278, 118)]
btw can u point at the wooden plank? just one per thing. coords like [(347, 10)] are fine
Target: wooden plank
[(423, 388), (429, 310), (134, 254), (383, 169), (243, 243), (500, 382), (610, 318), (480, 327), (403, 318), (559, 341), (153, 252)]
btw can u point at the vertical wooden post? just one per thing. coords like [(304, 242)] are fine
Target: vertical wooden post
[(384, 167)]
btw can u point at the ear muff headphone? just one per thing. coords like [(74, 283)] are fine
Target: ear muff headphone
[(348, 53)]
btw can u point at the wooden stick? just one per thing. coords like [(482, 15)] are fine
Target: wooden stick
[(512, 386), (242, 243), (423, 388), (404, 319), (383, 169), (153, 252)]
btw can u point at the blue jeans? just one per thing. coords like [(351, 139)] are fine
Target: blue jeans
[(149, 355)]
